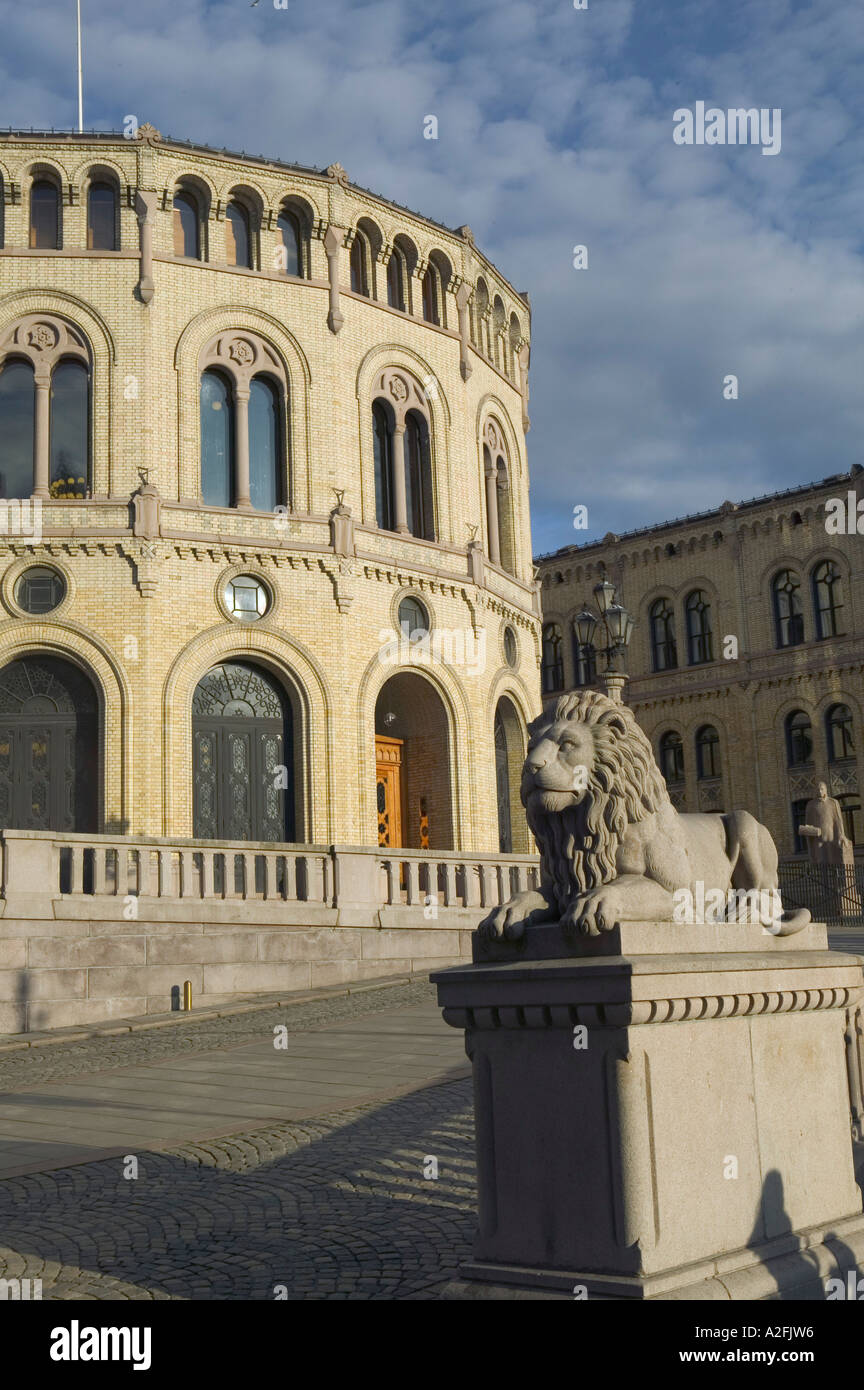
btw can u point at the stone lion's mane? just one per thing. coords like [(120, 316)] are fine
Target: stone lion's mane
[(579, 845)]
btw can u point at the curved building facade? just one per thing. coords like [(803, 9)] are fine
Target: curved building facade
[(265, 563)]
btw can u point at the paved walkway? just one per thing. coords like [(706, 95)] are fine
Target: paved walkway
[(185, 1093)]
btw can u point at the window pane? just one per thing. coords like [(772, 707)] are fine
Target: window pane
[(217, 440), (185, 227), (430, 296), (383, 443), (263, 445), (289, 233), (44, 219), (359, 283), (70, 452), (17, 416), (395, 295), (237, 236), (101, 229)]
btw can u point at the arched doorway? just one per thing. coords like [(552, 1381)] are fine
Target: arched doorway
[(509, 756), (243, 756), (412, 766), (49, 737)]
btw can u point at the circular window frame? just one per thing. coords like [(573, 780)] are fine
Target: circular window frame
[(424, 603), (514, 664), (19, 568), (235, 572)]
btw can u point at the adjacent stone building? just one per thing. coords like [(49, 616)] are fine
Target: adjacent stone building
[(746, 659)]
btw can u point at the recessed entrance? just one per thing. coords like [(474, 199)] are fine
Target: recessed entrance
[(49, 762), (242, 756), (412, 765)]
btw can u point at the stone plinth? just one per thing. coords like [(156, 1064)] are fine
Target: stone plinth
[(664, 1124)]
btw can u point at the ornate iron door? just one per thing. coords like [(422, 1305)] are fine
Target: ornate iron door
[(48, 747), (242, 756)]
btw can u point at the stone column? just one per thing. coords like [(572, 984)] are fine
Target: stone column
[(463, 297), (145, 208), (492, 515), (42, 435), (333, 238), (241, 446), (399, 470)]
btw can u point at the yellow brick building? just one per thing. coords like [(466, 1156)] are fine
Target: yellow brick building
[(747, 653), (261, 408)]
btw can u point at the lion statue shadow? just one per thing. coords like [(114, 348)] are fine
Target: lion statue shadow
[(613, 847)]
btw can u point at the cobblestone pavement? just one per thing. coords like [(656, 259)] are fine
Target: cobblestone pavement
[(333, 1208), (63, 1062)]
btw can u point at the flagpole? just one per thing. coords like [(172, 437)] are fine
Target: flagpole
[(80, 93)]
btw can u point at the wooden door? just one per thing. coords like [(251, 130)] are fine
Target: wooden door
[(388, 791)]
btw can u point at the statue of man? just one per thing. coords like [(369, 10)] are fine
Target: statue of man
[(823, 828)]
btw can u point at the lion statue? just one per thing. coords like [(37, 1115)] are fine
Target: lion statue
[(613, 847)]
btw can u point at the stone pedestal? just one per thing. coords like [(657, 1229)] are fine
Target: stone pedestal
[(661, 1121)]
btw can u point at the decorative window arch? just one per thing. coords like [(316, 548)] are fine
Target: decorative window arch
[(239, 234), (431, 289), (664, 649), (707, 752), (514, 344), (46, 211), (788, 611), (244, 399), (552, 659), (499, 325), (700, 642), (103, 202), (499, 498), (404, 493), (294, 226), (480, 304), (827, 599), (366, 247), (799, 739), (672, 758), (45, 383), (401, 265), (189, 214), (839, 734)]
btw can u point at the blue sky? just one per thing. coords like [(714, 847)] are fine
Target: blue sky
[(555, 130)]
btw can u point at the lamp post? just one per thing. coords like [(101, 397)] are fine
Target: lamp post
[(617, 626)]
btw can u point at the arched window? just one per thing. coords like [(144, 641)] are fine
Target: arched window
[(238, 240), (186, 220), (498, 322), (360, 264), (430, 295), (17, 413), (480, 305), (382, 432), (69, 429), (664, 652), (396, 280), (707, 752), (827, 599), (552, 661), (101, 217), (44, 215), (217, 440), (788, 613), (418, 477), (799, 739), (672, 758), (850, 809), (290, 244), (838, 731), (265, 449), (584, 661), (700, 647)]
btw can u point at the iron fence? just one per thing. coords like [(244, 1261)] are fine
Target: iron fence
[(834, 893)]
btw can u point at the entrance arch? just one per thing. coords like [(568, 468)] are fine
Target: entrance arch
[(509, 756), (49, 746), (242, 756), (413, 778)]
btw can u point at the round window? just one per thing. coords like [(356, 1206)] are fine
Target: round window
[(413, 616), (40, 589), (511, 648), (246, 598)]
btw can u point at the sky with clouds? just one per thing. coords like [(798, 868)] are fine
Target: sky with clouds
[(555, 130)]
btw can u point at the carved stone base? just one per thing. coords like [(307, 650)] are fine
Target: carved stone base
[(655, 1124)]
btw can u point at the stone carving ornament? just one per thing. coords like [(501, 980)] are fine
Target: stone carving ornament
[(613, 847)]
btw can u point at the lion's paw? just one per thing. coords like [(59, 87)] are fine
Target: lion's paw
[(591, 915)]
